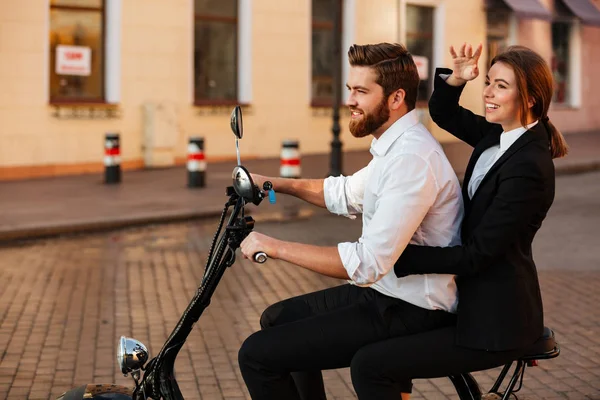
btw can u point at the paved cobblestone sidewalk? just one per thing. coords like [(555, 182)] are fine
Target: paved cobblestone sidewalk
[(64, 303)]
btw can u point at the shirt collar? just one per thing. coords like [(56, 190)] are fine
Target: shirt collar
[(508, 138), (379, 147)]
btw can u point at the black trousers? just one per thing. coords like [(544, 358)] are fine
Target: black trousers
[(304, 335), (379, 368)]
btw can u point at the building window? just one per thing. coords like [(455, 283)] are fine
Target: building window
[(419, 41), (77, 51), (215, 51), (498, 33), (561, 34), (323, 14)]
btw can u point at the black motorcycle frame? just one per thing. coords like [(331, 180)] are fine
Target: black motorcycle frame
[(158, 381)]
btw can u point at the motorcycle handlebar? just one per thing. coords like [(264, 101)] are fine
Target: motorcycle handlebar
[(260, 257)]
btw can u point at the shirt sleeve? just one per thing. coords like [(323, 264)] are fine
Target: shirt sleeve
[(344, 194), (407, 190)]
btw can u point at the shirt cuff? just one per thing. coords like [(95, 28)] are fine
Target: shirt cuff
[(335, 195), (349, 257)]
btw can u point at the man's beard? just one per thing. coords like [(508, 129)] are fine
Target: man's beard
[(369, 123)]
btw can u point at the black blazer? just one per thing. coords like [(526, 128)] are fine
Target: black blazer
[(500, 305)]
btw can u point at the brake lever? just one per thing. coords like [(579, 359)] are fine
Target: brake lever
[(268, 188)]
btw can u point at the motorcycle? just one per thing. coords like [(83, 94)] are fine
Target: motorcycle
[(155, 379)]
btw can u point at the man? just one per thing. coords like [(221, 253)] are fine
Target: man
[(408, 193)]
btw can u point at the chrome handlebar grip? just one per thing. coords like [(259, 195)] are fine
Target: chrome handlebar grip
[(260, 257)]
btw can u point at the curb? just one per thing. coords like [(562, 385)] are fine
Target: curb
[(562, 170), (10, 237), (44, 232), (579, 168)]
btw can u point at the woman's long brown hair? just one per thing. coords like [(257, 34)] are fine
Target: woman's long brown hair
[(534, 81)]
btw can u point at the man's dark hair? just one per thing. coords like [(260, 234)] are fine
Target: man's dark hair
[(394, 66)]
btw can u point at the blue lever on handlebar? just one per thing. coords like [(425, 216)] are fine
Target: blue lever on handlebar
[(272, 198)]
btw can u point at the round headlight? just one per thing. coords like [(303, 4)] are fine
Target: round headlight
[(131, 355)]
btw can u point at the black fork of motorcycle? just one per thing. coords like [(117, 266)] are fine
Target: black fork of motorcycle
[(159, 380), (155, 379)]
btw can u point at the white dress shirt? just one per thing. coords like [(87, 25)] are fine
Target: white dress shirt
[(489, 157), (408, 193)]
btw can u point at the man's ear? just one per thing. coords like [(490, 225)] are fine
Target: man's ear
[(397, 99)]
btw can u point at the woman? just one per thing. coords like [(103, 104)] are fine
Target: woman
[(508, 189)]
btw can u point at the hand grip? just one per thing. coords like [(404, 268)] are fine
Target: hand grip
[(260, 257)]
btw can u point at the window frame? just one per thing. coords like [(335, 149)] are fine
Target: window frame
[(437, 36), (511, 34), (72, 100), (322, 102), (218, 18), (574, 63)]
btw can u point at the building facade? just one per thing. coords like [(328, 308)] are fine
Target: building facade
[(161, 71)]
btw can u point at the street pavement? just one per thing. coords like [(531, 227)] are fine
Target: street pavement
[(65, 301)]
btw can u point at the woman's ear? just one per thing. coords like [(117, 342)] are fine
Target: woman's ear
[(397, 99), (531, 102)]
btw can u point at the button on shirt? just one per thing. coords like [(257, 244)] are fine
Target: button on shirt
[(489, 157), (408, 193)]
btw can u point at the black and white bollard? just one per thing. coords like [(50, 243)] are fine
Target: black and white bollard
[(290, 159), (196, 163), (290, 168), (112, 158)]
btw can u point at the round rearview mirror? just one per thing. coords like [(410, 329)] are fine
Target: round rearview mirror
[(236, 122), (242, 183)]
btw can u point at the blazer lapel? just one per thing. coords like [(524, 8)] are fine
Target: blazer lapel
[(493, 138), (527, 137)]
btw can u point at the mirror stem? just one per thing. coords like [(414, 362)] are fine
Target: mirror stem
[(237, 149)]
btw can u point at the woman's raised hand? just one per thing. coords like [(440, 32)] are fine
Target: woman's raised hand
[(465, 62)]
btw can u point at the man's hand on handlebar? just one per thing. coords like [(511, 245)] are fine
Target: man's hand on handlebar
[(259, 180), (257, 242)]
